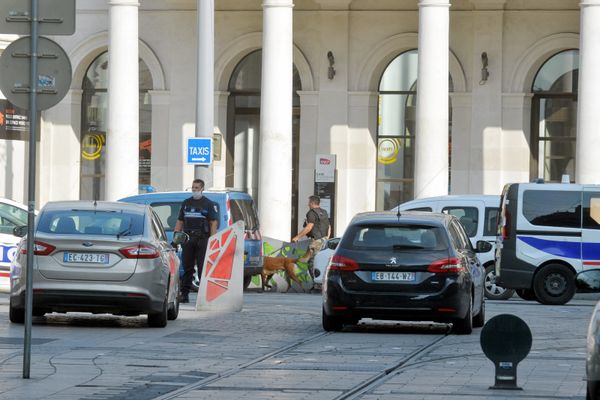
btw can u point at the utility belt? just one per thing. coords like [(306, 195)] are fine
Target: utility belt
[(197, 234)]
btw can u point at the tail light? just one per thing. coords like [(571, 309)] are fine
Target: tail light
[(39, 248), (506, 225), (229, 221), (446, 266), (140, 251), (340, 263)]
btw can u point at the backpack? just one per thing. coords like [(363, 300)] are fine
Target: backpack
[(321, 228)]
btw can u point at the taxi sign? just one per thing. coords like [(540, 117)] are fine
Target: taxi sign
[(199, 151)]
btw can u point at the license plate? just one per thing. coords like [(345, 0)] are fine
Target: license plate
[(85, 258), (393, 276)]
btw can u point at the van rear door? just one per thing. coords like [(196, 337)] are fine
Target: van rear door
[(590, 232), (242, 208)]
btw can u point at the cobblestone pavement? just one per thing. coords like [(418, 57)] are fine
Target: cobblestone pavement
[(275, 349)]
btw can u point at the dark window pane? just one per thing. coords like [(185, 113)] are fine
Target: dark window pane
[(591, 210), (491, 221), (390, 194), (468, 217), (552, 208)]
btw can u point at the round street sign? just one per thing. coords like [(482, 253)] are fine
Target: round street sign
[(54, 73)]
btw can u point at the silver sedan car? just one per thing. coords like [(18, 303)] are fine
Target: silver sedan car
[(98, 257)]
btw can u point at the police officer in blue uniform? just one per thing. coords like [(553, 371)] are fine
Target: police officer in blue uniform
[(198, 218)]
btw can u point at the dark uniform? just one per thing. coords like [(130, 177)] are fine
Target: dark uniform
[(320, 220), (196, 215)]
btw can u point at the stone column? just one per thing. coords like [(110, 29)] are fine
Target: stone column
[(431, 152), (275, 175), (122, 142), (588, 138), (205, 89)]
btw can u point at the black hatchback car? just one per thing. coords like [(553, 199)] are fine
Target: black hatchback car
[(415, 266)]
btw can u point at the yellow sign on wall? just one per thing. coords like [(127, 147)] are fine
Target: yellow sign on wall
[(388, 151), (91, 145)]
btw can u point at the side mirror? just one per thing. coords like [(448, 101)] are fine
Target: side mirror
[(483, 246), (20, 231), (333, 243), (588, 281), (180, 238)]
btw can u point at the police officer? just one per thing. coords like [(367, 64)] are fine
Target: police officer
[(317, 228), (198, 218)]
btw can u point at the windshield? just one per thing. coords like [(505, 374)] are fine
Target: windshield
[(394, 237), (90, 222), (16, 213)]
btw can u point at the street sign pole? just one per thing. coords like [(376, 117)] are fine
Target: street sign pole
[(33, 115)]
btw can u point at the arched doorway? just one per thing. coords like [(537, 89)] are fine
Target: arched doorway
[(243, 129), (94, 119), (396, 129), (554, 117)]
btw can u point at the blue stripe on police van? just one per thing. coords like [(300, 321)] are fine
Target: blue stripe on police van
[(554, 247), (585, 251)]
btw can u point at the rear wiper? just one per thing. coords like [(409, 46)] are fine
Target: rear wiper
[(406, 246), (124, 232)]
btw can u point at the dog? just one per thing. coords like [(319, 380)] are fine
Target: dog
[(273, 264)]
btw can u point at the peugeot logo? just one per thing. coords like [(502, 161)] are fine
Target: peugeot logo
[(393, 260), (88, 244)]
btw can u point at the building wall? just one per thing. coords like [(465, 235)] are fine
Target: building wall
[(490, 121)]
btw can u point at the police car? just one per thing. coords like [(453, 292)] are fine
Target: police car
[(12, 215)]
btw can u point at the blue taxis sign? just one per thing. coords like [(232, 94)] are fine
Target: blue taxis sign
[(199, 151)]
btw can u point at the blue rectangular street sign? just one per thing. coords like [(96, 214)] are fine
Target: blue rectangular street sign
[(199, 151)]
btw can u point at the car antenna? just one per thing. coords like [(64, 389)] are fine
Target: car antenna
[(398, 214), (95, 203)]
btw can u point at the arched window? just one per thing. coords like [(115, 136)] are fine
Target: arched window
[(243, 129), (396, 129), (94, 118), (554, 117)]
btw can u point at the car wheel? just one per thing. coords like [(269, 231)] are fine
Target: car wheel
[(464, 326), (331, 323), (16, 315), (526, 294), (173, 312), (247, 281), (593, 390), (479, 319), (492, 290), (554, 284), (159, 320)]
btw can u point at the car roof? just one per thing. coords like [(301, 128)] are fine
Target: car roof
[(407, 217), (181, 194), (91, 205)]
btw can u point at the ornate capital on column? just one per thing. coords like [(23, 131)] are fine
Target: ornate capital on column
[(278, 3), (434, 3)]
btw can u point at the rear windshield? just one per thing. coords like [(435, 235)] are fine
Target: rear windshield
[(244, 210), (82, 222), (394, 237)]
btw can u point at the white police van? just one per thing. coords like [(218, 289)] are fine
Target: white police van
[(12, 215), (478, 215), (547, 233)]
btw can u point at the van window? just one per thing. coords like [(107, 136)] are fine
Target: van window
[(491, 221), (167, 213), (468, 217), (427, 209), (552, 208), (591, 210), (244, 210)]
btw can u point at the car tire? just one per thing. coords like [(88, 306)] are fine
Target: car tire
[(492, 290), (16, 315), (464, 326), (173, 312), (159, 320), (331, 323), (247, 281), (526, 294), (554, 285), (479, 319)]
